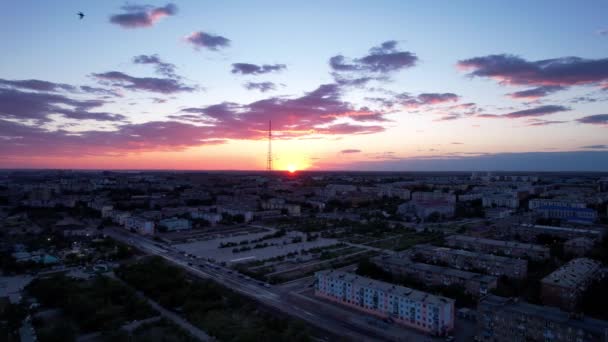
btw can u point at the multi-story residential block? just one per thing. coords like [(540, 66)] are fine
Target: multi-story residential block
[(247, 214), (578, 246), (472, 261), (508, 248), (498, 213), (578, 215), (411, 308), (470, 197), (426, 196), (529, 232), (500, 200), (212, 218), (425, 209), (174, 223), (473, 283), (140, 225), (536, 203), (564, 287), (502, 319)]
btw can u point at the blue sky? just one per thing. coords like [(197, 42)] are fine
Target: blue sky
[(44, 40)]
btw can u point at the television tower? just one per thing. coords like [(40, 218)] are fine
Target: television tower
[(269, 160)]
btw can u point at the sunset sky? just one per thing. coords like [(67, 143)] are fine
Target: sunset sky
[(348, 85)]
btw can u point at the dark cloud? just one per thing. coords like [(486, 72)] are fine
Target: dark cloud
[(540, 122), (535, 93), (23, 140), (162, 68), (457, 143), (416, 101), (261, 86), (20, 105), (597, 147), (598, 119), (531, 112), (136, 16), (99, 91), (514, 70), (208, 41), (152, 84), (381, 59), (254, 69), (350, 151), (37, 85), (376, 65), (312, 113)]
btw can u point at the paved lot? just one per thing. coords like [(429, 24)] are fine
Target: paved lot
[(210, 248)]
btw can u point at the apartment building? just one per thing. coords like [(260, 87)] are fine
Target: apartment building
[(529, 232), (474, 283), (139, 224), (500, 200), (426, 196), (578, 246), (579, 215), (472, 261), (174, 223), (564, 287), (502, 319), (405, 306), (508, 248), (536, 203)]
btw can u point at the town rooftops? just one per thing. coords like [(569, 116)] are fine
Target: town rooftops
[(387, 288), (572, 274), (497, 243), (548, 313), (404, 261), (488, 257)]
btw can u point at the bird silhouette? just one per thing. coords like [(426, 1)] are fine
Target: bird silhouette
[(81, 15)]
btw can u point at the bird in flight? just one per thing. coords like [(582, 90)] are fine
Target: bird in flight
[(81, 15)]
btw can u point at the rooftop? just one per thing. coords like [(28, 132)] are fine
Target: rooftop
[(548, 313), (388, 288), (401, 261), (573, 273), (498, 243)]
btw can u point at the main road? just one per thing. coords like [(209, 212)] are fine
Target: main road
[(328, 317)]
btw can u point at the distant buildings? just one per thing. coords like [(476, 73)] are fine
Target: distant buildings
[(425, 209), (529, 232), (422, 196), (500, 200), (578, 246), (508, 248), (564, 287), (140, 225), (537, 203), (174, 223), (411, 308), (578, 215), (473, 283), (472, 261), (502, 319)]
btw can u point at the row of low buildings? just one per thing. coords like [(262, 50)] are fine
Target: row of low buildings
[(471, 261), (564, 287), (508, 248), (502, 319), (415, 309), (473, 283)]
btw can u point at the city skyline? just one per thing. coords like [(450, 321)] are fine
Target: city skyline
[(383, 86)]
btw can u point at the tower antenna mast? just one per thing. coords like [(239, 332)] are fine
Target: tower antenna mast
[(269, 160)]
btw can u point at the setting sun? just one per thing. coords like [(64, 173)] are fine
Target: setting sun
[(291, 168)]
